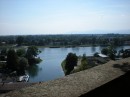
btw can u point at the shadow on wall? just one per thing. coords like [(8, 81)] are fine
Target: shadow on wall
[(119, 87), (125, 67)]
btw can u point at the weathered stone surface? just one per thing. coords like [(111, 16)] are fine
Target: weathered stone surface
[(75, 84)]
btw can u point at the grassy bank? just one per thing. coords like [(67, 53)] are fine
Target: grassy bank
[(63, 66)]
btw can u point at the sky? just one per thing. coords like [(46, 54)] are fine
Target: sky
[(23, 17)]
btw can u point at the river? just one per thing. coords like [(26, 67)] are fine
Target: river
[(50, 68)]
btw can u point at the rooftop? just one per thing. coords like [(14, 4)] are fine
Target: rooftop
[(102, 55)]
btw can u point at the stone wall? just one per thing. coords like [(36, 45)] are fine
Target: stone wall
[(76, 84)]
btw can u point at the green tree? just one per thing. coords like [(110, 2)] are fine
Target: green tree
[(19, 40), (112, 52), (31, 55), (71, 61), (109, 51), (84, 57), (12, 60), (32, 52), (22, 65), (96, 54), (105, 51), (4, 51), (21, 52), (84, 62)]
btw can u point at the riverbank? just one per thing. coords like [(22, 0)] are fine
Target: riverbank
[(60, 46), (68, 46), (75, 46), (89, 62)]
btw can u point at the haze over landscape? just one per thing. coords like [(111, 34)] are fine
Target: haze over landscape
[(25, 17)]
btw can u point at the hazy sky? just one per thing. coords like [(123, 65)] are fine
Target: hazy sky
[(63, 16)]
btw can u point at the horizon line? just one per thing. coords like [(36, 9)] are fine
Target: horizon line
[(66, 34)]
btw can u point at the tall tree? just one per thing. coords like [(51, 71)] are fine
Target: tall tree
[(32, 52), (22, 65), (71, 61), (84, 63), (21, 52), (12, 60), (105, 51), (112, 52)]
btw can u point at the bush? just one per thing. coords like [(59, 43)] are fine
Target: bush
[(105, 51), (96, 54)]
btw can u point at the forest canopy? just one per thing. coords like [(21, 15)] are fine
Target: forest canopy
[(66, 40)]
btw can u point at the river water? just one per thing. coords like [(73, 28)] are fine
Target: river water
[(50, 68)]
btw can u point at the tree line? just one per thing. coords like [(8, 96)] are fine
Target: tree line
[(66, 40)]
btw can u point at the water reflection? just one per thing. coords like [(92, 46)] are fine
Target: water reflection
[(33, 70), (119, 48), (64, 49), (100, 48), (93, 48), (75, 49)]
